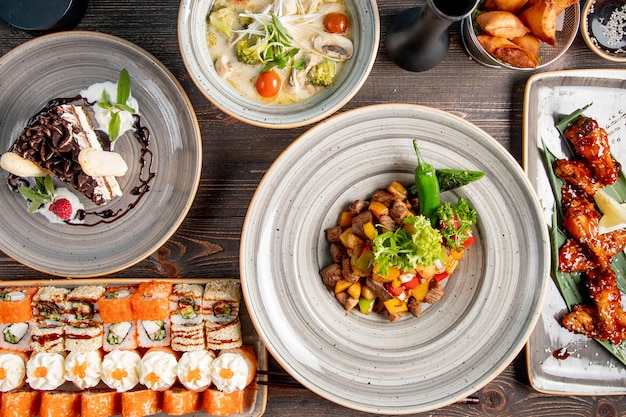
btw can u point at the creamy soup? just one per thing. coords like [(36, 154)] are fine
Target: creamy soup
[(280, 52)]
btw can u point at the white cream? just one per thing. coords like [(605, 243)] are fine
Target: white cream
[(59, 193), (158, 370), (194, 370), (83, 368), (103, 116), (229, 372), (44, 371), (13, 371), (120, 370)]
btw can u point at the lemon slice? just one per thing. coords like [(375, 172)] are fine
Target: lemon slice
[(613, 213)]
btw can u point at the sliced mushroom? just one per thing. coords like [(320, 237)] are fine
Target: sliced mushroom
[(223, 67), (333, 46)]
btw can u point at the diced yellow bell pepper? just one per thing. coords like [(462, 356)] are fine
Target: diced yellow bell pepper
[(451, 265), (370, 230), (420, 291), (378, 209), (396, 283), (457, 254), (367, 293), (345, 219), (398, 190), (349, 239), (355, 290), (342, 285), (395, 305), (393, 273)]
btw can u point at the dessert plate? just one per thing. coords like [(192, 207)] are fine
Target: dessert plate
[(362, 361), (559, 361), (60, 65)]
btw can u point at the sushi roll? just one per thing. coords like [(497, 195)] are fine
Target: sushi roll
[(15, 304), (12, 370), (16, 336), (187, 337), (151, 301), (82, 303), (20, 403), (140, 403), (220, 403), (220, 302), (115, 304), (158, 369), (120, 369), (234, 369), (50, 304), (83, 336), (179, 401), (44, 371), (83, 369), (153, 333), (60, 404), (186, 304), (194, 369), (47, 336), (100, 403), (120, 335), (226, 336)]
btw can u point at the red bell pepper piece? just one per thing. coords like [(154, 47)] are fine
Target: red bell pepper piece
[(394, 291), (441, 276), (412, 283)]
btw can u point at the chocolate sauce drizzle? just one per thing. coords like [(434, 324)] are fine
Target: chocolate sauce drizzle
[(146, 174)]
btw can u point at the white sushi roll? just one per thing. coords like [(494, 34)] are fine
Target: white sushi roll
[(83, 336), (82, 303), (151, 333), (47, 338), (122, 335), (227, 336), (188, 337), (16, 336), (186, 304), (221, 301)]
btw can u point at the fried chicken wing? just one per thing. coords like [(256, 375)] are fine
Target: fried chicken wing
[(592, 143), (578, 173), (576, 257)]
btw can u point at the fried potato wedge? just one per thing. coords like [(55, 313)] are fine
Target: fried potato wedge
[(541, 19), (512, 6), (506, 51), (501, 24), (529, 43)]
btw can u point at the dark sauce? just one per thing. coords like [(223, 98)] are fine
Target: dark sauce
[(561, 354), (141, 133)]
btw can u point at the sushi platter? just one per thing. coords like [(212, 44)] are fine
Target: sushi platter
[(177, 347)]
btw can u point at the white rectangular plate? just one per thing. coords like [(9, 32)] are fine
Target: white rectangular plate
[(588, 369)]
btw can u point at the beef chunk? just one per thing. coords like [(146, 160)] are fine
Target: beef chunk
[(383, 196), (346, 271), (358, 221), (331, 274), (333, 233), (399, 210), (338, 252), (358, 207), (379, 289)]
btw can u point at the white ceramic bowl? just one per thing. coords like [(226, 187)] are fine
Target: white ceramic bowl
[(363, 361), (192, 29)]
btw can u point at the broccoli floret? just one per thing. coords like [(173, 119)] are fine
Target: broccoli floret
[(246, 53), (323, 74), (223, 20)]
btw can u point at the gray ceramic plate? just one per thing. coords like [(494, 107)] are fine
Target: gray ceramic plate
[(195, 52), (60, 65), (363, 361), (589, 369)]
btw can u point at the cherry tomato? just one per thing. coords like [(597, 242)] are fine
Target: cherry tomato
[(268, 84), (336, 22)]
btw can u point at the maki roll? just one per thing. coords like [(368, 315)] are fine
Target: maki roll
[(100, 403), (50, 304), (85, 336), (60, 404), (121, 335), (120, 369), (16, 336), (12, 370), (83, 369), (220, 302), (15, 304), (226, 336), (179, 401), (234, 369), (82, 303), (151, 301), (220, 403), (186, 304), (151, 333), (44, 371), (140, 403), (194, 370), (115, 304), (47, 336), (20, 403), (158, 369), (187, 337)]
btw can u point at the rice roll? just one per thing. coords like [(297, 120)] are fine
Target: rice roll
[(12, 370), (83, 369), (44, 371), (234, 369), (151, 301), (47, 337), (16, 336), (151, 333), (227, 336), (60, 404), (122, 335), (194, 370), (186, 304), (100, 403), (83, 336), (50, 304), (115, 304), (120, 369), (82, 303), (220, 302), (158, 369), (179, 401), (20, 403), (220, 403), (15, 304), (140, 403), (187, 337)]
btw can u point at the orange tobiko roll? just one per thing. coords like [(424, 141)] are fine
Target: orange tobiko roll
[(151, 301), (140, 403), (179, 401), (60, 404), (100, 403), (20, 403), (220, 403), (15, 304), (115, 305)]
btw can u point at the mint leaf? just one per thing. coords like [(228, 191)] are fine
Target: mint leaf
[(123, 87), (40, 194), (114, 125)]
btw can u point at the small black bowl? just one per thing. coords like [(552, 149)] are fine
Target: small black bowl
[(43, 15)]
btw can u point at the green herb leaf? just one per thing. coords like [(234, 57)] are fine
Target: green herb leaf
[(456, 222), (105, 100), (40, 194), (114, 125), (123, 87)]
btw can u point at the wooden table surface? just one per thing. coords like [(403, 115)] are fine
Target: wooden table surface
[(236, 156)]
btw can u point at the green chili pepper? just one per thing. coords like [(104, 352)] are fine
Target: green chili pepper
[(427, 187), (455, 178)]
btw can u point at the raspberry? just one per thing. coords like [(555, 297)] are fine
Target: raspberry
[(62, 208)]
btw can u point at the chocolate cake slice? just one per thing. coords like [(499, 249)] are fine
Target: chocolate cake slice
[(53, 140)]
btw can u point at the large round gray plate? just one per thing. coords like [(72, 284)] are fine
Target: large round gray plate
[(365, 362), (60, 65)]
